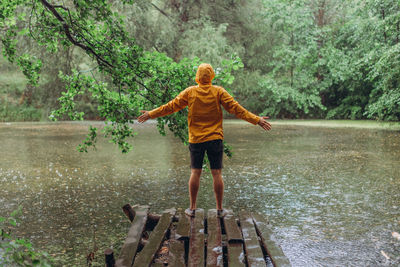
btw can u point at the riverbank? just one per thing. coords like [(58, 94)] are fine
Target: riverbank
[(363, 124), (366, 124)]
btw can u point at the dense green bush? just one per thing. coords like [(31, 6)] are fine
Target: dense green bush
[(385, 96), (13, 112)]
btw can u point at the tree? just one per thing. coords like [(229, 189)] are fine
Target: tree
[(301, 59), (361, 61), (134, 77), (291, 88)]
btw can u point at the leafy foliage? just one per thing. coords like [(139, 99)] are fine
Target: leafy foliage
[(10, 112), (17, 251), (300, 59), (132, 77), (362, 62), (386, 77)]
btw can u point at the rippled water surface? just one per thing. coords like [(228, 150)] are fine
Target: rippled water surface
[(332, 195)]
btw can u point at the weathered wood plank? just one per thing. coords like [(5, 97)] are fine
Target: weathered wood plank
[(196, 241), (232, 229), (255, 256), (179, 243), (214, 239), (129, 211), (249, 243), (146, 256), (176, 255), (269, 242), (235, 241), (236, 255), (128, 250), (183, 228)]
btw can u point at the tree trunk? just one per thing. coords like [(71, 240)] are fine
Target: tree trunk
[(180, 7), (292, 65), (383, 18), (320, 20), (26, 96)]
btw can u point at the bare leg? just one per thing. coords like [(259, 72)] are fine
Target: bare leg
[(194, 183), (218, 186)]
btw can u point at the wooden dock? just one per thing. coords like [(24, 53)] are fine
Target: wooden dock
[(175, 239)]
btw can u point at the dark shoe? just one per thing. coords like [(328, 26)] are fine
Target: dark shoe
[(222, 213), (190, 212)]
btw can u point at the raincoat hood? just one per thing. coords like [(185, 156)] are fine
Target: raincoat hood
[(205, 74)]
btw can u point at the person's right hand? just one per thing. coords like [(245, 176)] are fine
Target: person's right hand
[(264, 124)]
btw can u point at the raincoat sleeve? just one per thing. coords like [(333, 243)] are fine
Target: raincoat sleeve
[(172, 106), (233, 107)]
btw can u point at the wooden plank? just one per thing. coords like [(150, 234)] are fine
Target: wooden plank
[(179, 242), (146, 256), (128, 250), (214, 239), (269, 242), (183, 228), (236, 255), (196, 241), (232, 229), (255, 256), (176, 253), (129, 211), (235, 241)]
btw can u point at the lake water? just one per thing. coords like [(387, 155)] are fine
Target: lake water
[(332, 195)]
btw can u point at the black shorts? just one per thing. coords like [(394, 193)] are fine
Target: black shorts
[(215, 150)]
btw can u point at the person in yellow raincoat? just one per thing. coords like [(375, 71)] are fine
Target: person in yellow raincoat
[(205, 128)]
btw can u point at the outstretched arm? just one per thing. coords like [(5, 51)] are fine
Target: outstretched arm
[(172, 106), (232, 106)]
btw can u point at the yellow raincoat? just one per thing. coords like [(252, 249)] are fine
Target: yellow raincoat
[(204, 102)]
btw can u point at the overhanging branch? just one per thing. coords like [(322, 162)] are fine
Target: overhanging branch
[(99, 58), (67, 31), (161, 11)]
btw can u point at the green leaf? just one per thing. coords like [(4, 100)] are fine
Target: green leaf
[(12, 221)]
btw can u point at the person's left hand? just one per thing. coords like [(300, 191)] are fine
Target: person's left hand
[(144, 117), (264, 124)]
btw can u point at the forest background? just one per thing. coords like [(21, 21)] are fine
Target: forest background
[(292, 59)]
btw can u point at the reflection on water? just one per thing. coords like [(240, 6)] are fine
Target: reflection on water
[(331, 195)]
